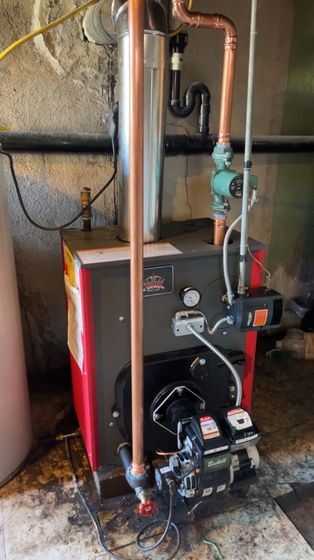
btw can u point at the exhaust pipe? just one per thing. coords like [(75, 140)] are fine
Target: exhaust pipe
[(155, 52)]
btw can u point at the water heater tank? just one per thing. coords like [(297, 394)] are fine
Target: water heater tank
[(15, 419)]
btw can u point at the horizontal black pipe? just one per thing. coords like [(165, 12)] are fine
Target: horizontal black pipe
[(175, 144), (197, 144), (55, 142)]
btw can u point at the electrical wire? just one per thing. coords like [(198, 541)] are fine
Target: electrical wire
[(92, 513), (260, 264), (76, 217), (169, 525), (174, 32), (45, 28), (139, 538), (215, 548), (220, 322), (223, 358), (165, 453)]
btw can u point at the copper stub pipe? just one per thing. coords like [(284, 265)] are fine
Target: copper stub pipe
[(136, 190), (219, 230), (217, 21)]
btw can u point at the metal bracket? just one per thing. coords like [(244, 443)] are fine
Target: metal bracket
[(179, 389)]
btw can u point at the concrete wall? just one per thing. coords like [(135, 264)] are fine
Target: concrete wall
[(62, 83)]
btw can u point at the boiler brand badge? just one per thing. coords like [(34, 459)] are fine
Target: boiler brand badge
[(158, 281), (154, 284)]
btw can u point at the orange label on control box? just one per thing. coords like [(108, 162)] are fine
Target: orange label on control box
[(260, 317)]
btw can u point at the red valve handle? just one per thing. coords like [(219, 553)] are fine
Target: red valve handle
[(147, 508)]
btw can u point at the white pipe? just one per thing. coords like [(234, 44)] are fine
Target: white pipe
[(247, 151)]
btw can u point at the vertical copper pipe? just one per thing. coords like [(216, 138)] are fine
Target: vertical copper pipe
[(217, 21), (219, 230), (136, 190)]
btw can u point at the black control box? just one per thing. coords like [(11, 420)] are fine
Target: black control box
[(239, 427), (259, 309)]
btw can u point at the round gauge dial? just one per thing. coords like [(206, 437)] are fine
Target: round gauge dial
[(190, 296)]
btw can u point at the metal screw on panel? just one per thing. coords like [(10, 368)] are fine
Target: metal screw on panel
[(202, 406), (224, 333), (202, 361), (121, 319), (111, 424), (115, 413), (156, 416)]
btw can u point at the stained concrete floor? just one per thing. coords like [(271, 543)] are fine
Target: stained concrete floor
[(42, 518)]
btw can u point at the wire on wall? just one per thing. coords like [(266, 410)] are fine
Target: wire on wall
[(45, 28), (76, 217)]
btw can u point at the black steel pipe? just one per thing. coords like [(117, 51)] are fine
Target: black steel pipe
[(125, 455), (182, 110), (56, 142), (189, 103), (197, 144), (175, 144)]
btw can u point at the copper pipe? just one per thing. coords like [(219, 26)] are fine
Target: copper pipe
[(217, 21), (219, 230), (136, 190)]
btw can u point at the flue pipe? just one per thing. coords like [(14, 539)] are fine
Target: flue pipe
[(217, 21), (136, 190)]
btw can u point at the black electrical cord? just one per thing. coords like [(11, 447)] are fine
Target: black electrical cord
[(92, 513), (169, 525), (69, 223)]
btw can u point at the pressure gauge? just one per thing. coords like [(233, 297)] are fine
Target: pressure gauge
[(190, 296)]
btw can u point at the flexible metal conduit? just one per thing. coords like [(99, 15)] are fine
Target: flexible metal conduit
[(175, 144), (224, 359), (216, 21), (136, 190)]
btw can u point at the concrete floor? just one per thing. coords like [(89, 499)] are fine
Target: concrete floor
[(41, 516)]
